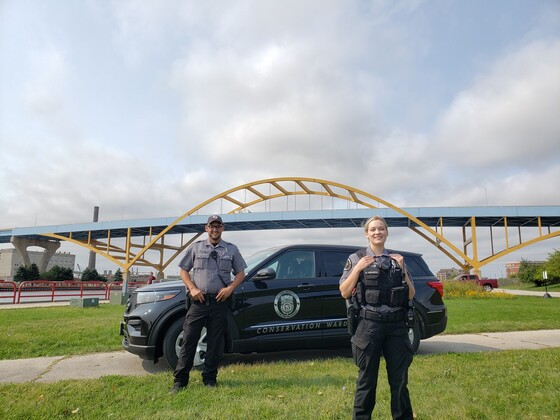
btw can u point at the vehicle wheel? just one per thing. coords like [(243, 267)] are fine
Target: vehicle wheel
[(414, 335), (487, 288), (173, 341)]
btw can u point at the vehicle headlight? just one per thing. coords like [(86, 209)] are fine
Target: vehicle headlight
[(157, 296)]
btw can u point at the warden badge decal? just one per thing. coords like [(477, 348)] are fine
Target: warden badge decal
[(286, 304)]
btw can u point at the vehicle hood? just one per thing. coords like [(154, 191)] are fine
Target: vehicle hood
[(164, 285)]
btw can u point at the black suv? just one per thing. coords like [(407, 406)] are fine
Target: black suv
[(289, 300)]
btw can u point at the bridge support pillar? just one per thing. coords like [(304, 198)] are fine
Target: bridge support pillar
[(21, 244), (126, 279)]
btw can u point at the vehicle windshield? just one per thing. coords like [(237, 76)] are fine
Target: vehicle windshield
[(255, 259)]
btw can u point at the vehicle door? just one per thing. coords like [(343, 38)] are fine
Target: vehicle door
[(282, 301), (333, 304)]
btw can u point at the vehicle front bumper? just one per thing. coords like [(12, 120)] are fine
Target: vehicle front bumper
[(135, 343)]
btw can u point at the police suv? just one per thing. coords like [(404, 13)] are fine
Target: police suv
[(289, 300)]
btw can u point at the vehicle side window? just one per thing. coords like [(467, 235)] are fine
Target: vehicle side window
[(417, 267), (334, 262), (294, 265)]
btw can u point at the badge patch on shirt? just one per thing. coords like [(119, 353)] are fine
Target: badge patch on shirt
[(348, 265)]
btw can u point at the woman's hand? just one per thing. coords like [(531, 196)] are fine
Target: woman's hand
[(363, 262), (399, 259)]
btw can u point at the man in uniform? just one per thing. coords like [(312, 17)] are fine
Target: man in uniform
[(208, 287)]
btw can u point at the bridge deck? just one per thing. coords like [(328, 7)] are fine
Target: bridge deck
[(548, 217)]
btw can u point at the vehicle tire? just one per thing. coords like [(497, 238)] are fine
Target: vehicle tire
[(173, 341), (487, 288), (414, 335)]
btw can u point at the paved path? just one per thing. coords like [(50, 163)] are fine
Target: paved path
[(91, 366), (527, 292)]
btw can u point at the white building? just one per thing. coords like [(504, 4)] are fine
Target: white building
[(10, 261)]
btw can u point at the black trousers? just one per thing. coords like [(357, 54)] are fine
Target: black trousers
[(211, 314), (390, 339)]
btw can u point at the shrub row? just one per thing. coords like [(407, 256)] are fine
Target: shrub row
[(470, 290)]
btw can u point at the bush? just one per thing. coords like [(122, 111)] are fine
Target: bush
[(58, 273), (92, 275), (470, 290), (25, 273)]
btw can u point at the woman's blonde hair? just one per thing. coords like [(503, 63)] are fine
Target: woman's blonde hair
[(371, 219)]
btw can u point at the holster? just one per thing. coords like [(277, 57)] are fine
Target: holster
[(410, 314), (353, 316)]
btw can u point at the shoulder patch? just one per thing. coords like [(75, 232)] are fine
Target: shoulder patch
[(348, 265)]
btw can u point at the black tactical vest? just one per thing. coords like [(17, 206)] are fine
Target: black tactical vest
[(382, 283)]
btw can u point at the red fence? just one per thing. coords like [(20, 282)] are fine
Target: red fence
[(8, 288), (43, 290)]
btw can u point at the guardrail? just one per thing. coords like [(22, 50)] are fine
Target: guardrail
[(4, 289), (50, 291)]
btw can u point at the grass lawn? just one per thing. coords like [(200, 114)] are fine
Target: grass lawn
[(522, 313), (521, 384), (65, 330), (59, 330), (517, 285)]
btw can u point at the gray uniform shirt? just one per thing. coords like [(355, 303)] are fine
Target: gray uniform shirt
[(211, 274)]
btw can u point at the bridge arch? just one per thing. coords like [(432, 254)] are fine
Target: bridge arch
[(251, 194), (244, 197)]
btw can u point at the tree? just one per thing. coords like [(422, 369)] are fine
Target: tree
[(92, 275), (33, 273), (21, 274), (57, 273), (527, 271), (552, 267), (25, 273), (118, 275)]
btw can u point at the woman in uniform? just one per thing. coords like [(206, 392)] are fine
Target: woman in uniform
[(377, 281)]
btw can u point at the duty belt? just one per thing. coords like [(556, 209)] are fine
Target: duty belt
[(209, 299), (385, 316)]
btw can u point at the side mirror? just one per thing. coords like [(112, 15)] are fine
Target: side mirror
[(265, 274)]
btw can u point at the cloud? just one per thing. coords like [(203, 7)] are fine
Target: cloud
[(509, 116), (149, 109)]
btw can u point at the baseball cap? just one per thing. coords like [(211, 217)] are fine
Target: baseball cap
[(214, 218)]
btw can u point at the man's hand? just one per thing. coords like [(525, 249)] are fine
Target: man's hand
[(196, 294), (224, 294)]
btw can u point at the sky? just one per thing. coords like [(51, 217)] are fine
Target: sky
[(147, 109)]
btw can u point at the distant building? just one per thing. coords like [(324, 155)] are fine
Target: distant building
[(10, 261), (512, 268), (447, 273)]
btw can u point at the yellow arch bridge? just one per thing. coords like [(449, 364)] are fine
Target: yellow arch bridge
[(470, 236)]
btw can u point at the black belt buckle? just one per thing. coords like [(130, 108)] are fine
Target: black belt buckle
[(209, 298), (383, 317)]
